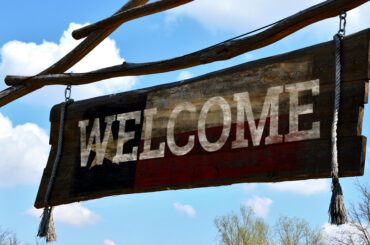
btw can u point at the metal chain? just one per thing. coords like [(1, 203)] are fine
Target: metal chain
[(68, 92), (342, 24)]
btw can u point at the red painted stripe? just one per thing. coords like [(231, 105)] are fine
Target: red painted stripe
[(199, 166)]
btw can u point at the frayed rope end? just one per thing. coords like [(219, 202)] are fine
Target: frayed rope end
[(337, 209), (46, 228)]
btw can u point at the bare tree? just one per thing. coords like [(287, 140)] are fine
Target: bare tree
[(242, 230), (357, 231), (8, 238), (296, 231)]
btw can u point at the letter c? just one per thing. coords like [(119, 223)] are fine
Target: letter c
[(175, 149)]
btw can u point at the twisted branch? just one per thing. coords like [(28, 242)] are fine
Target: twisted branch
[(118, 19), (222, 51), (14, 92)]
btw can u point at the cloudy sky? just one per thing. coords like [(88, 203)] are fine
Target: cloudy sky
[(35, 34)]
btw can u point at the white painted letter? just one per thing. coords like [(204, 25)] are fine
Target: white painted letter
[(175, 149), (296, 110), (271, 104), (222, 103), (147, 152), (124, 136), (95, 134)]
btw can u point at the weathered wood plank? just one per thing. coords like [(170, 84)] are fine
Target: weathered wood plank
[(351, 157), (292, 144)]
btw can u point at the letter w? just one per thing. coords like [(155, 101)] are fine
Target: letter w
[(94, 135)]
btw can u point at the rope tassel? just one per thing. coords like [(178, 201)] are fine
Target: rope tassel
[(337, 209), (46, 228)]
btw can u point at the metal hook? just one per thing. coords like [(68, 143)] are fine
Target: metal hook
[(342, 24), (68, 92)]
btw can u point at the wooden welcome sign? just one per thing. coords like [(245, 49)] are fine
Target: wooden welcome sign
[(263, 121)]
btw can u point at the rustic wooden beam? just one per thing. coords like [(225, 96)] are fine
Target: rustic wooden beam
[(222, 51), (14, 92), (118, 19)]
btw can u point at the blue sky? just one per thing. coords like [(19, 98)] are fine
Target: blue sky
[(34, 34)]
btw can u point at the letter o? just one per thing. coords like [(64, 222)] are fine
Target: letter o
[(214, 146)]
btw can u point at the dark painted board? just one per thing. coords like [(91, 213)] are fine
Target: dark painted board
[(286, 130)]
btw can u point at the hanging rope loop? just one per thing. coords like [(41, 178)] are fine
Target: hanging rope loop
[(46, 228), (337, 209)]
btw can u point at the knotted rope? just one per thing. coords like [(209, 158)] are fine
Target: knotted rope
[(337, 209), (46, 227)]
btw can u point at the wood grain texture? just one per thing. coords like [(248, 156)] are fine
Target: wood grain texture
[(218, 52), (283, 161)]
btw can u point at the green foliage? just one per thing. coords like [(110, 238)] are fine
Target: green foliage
[(247, 229), (296, 231)]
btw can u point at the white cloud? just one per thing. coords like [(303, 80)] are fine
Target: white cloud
[(20, 58), (260, 205), (245, 15), (238, 15), (189, 210), (249, 187), (341, 232), (248, 57), (24, 150), (71, 214), (304, 187), (184, 75), (109, 242)]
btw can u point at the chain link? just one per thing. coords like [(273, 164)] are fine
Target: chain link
[(68, 92), (342, 24)]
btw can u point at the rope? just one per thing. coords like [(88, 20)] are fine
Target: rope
[(338, 51), (46, 227), (247, 33), (337, 209), (250, 32)]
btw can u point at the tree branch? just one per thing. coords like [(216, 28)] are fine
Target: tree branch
[(222, 51), (118, 19), (218, 52), (15, 92)]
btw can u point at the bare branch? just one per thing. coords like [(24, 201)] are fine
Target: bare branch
[(15, 92), (218, 52), (118, 19), (223, 51)]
